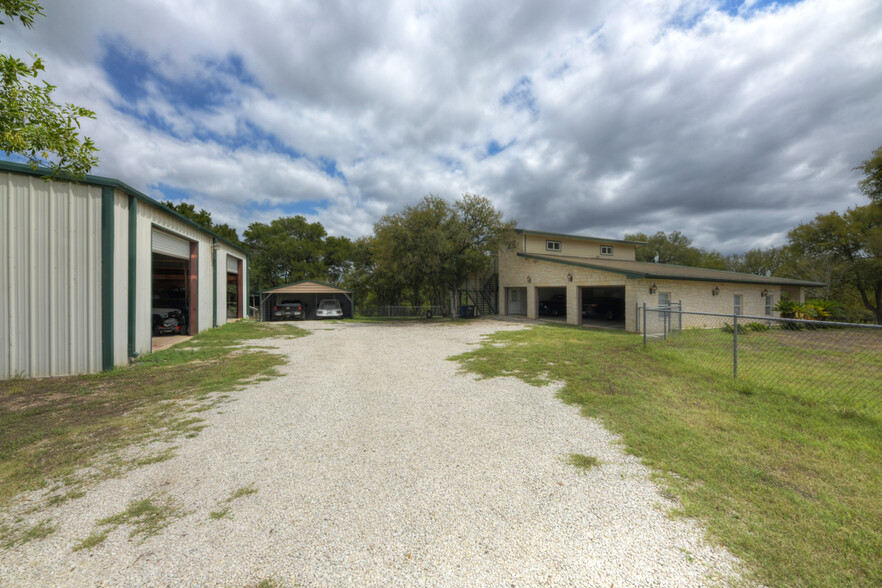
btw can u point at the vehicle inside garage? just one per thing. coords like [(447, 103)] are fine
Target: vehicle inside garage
[(604, 304), (309, 294), (552, 301), (170, 295)]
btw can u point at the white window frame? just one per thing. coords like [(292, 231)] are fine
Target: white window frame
[(738, 306), (606, 249), (553, 245)]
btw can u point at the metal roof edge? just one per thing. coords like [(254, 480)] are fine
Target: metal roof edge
[(581, 237), (771, 280), (303, 282), (23, 168)]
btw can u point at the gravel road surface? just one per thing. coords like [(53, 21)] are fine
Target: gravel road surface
[(378, 463)]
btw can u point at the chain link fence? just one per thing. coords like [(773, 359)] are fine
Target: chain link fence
[(837, 363), (399, 311)]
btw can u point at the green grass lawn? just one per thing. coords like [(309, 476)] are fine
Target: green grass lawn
[(790, 484), (55, 427)]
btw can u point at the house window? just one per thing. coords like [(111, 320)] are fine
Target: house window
[(606, 250), (552, 245), (737, 309), (514, 295), (769, 300)]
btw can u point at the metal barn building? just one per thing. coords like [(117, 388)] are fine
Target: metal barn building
[(84, 265)]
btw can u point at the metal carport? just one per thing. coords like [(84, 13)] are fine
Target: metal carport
[(308, 292)]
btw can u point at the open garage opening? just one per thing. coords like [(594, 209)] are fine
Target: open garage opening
[(603, 306), (552, 302), (170, 295)]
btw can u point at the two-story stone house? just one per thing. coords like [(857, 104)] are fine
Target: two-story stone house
[(578, 273)]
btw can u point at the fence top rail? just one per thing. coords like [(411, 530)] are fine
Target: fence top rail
[(673, 309)]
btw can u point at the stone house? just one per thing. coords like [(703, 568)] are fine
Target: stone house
[(571, 274)]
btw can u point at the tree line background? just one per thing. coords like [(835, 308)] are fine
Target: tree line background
[(423, 254)]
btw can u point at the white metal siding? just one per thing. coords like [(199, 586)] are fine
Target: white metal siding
[(50, 310)]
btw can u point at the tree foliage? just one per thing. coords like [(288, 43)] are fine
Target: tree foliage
[(852, 241), (675, 248), (203, 217), (762, 262), (291, 249), (871, 185), (31, 123), (427, 251)]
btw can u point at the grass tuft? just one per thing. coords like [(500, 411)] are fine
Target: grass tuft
[(582, 462)]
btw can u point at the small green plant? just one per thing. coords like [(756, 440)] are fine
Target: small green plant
[(12, 537), (219, 514), (96, 538), (757, 327), (147, 517), (582, 462), (243, 491)]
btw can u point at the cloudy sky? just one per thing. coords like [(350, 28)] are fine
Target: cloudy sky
[(729, 120)]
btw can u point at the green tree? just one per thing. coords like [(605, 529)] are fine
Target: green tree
[(762, 262), (31, 123), (871, 185), (203, 217), (429, 250), (675, 248), (853, 243), (291, 249)]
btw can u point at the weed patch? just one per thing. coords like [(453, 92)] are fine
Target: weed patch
[(582, 462)]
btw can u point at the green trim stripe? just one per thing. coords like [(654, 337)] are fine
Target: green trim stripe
[(107, 253), (133, 272)]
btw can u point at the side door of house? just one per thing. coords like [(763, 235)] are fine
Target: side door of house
[(517, 303)]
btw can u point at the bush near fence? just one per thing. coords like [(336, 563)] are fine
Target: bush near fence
[(836, 363), (399, 311)]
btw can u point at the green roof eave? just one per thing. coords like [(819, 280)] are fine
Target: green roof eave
[(579, 237), (21, 168)]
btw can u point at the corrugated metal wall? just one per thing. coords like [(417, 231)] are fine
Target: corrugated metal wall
[(50, 310)]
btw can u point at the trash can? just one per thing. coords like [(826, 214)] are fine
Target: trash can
[(467, 311)]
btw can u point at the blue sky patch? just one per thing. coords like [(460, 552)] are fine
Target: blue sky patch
[(131, 71), (521, 96), (494, 148)]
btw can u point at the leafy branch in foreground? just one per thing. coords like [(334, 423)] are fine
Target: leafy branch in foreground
[(31, 123)]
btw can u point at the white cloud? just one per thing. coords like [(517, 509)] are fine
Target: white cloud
[(638, 116)]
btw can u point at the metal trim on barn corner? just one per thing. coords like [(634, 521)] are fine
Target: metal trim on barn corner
[(108, 238)]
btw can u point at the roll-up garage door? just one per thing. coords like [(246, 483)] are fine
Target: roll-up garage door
[(232, 264), (170, 245)]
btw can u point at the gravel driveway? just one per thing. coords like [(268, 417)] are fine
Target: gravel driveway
[(377, 463)]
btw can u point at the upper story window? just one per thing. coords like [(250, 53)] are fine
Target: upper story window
[(606, 250), (552, 245)]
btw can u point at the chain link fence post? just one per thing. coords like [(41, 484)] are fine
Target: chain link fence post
[(644, 325), (735, 346)]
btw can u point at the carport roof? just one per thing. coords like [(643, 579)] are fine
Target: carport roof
[(663, 271), (306, 287)]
